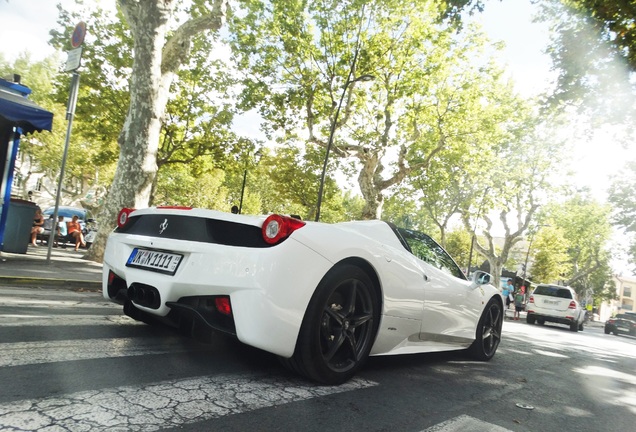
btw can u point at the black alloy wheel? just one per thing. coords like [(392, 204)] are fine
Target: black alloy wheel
[(339, 327), (488, 334)]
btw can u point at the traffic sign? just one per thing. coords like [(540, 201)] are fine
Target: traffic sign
[(73, 60), (78, 35)]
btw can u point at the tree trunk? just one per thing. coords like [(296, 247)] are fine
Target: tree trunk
[(155, 62), (373, 199)]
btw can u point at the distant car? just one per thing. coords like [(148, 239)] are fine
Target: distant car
[(322, 297), (621, 324), (557, 304), (88, 224)]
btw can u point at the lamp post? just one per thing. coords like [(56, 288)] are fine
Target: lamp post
[(257, 157), (364, 77), (472, 238)]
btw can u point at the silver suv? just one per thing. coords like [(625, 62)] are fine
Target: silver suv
[(556, 304)]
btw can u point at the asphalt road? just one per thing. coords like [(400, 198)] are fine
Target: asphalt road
[(71, 360)]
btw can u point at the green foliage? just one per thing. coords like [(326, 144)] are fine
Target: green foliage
[(551, 261), (401, 209), (103, 98), (593, 48), (458, 246), (586, 232), (613, 22), (44, 151), (176, 185), (300, 61), (199, 115), (621, 196)]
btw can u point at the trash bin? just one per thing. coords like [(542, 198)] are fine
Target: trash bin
[(17, 231)]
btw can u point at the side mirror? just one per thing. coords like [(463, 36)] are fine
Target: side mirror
[(481, 278)]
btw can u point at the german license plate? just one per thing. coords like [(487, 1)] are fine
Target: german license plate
[(551, 302), (162, 262)]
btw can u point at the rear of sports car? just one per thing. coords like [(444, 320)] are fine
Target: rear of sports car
[(204, 269)]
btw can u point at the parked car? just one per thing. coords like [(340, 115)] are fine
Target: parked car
[(624, 323), (322, 297), (557, 304), (88, 224)]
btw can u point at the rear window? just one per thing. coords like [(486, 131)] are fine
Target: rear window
[(66, 212), (626, 317), (553, 291)]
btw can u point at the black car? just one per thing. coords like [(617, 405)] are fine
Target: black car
[(621, 324)]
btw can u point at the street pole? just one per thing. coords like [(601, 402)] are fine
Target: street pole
[(525, 265), (257, 157), (70, 112), (73, 63), (242, 191), (332, 132)]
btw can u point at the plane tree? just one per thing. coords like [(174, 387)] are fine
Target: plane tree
[(153, 44), (574, 248), (42, 153), (516, 191), (621, 197), (304, 67)]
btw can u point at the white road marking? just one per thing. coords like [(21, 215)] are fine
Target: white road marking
[(27, 353), (161, 405), (45, 303), (30, 320), (466, 423)]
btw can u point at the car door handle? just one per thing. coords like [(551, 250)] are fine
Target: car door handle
[(425, 277)]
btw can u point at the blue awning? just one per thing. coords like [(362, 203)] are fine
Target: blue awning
[(23, 113)]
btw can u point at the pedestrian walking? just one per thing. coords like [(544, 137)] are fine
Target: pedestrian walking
[(507, 292), (520, 297)]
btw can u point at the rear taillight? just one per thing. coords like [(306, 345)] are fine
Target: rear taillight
[(223, 305), (122, 218), (277, 228), (531, 299), (572, 305)]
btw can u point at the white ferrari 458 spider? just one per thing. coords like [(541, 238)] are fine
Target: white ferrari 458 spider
[(322, 297)]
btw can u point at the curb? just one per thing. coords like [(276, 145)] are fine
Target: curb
[(73, 284)]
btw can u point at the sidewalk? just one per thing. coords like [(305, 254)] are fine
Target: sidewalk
[(66, 268)]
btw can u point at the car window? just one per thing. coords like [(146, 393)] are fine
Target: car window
[(553, 291), (427, 249), (66, 212)]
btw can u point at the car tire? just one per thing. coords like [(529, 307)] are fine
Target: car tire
[(607, 331), (530, 319), (488, 333), (540, 321), (339, 327), (574, 327)]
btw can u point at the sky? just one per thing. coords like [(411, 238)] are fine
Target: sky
[(26, 23)]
